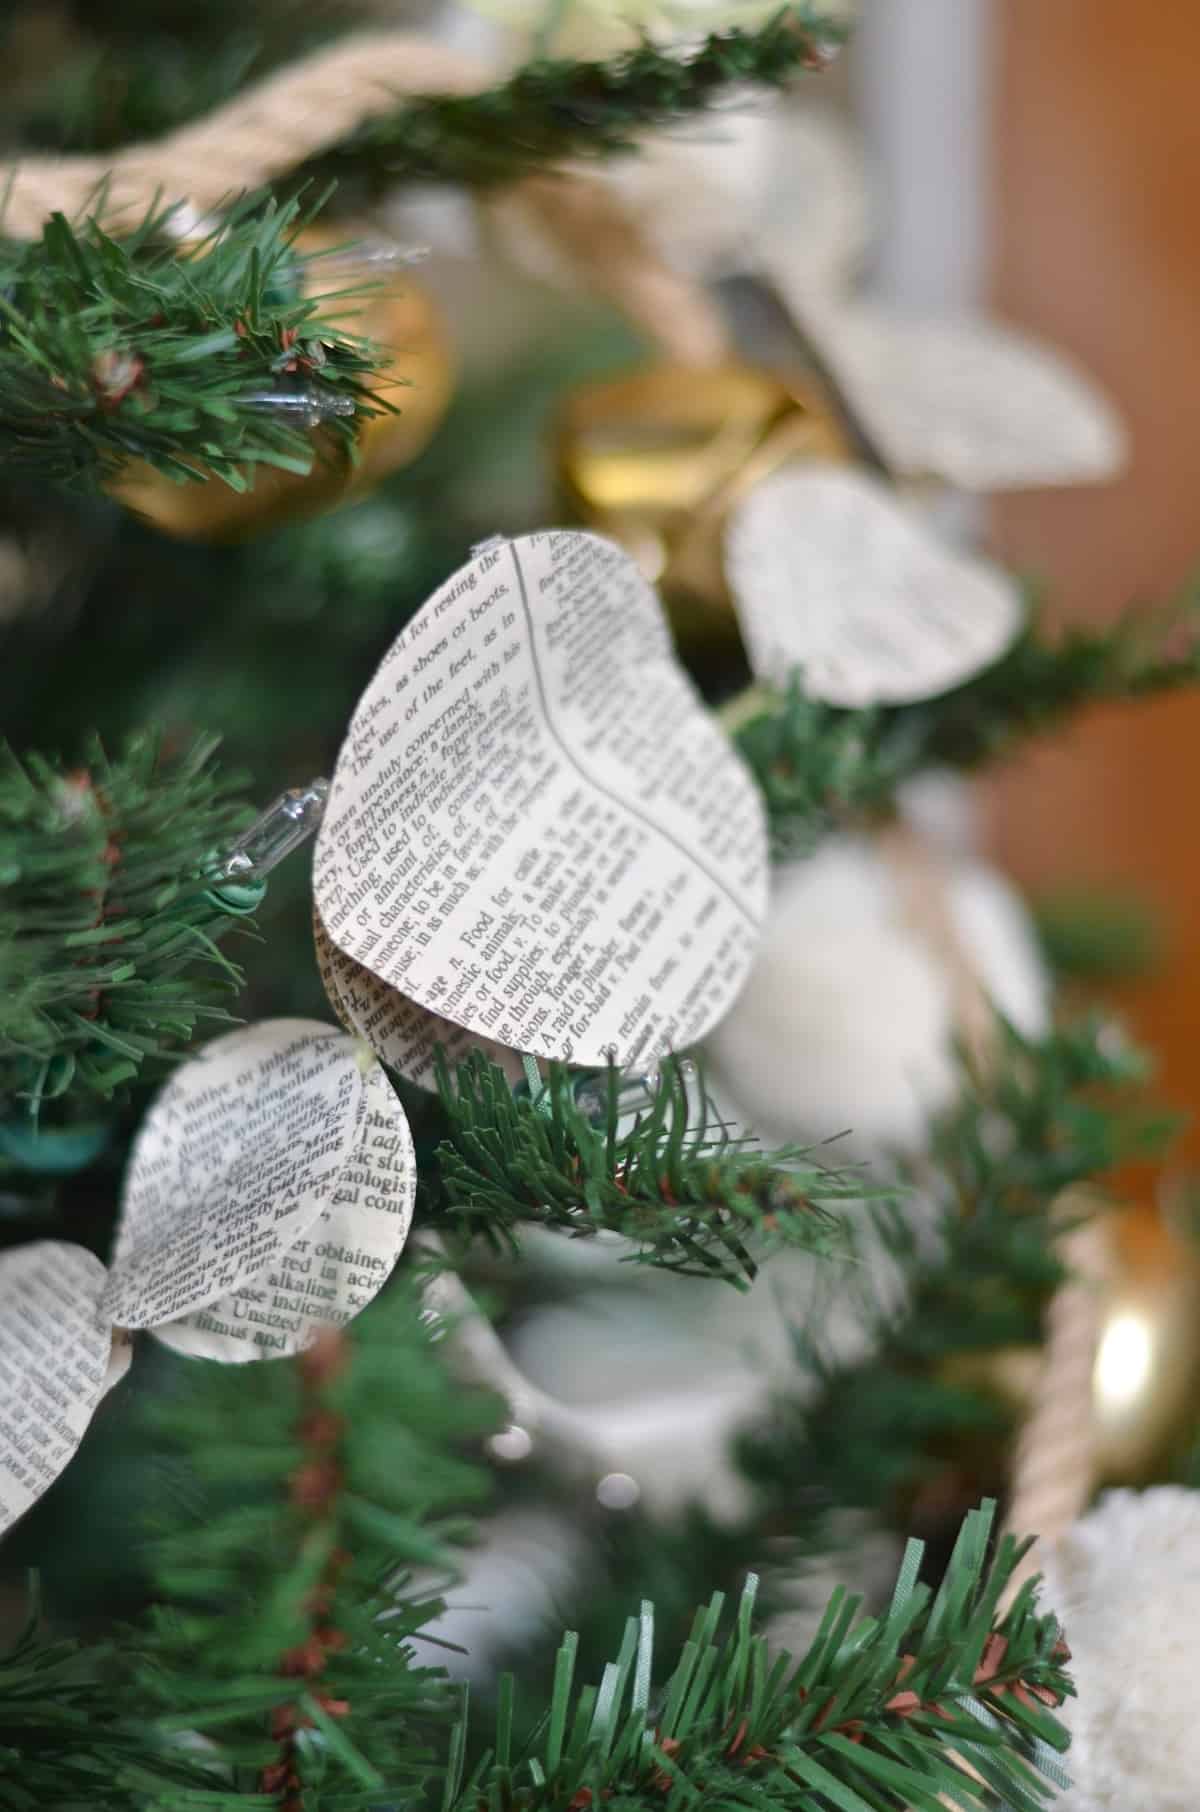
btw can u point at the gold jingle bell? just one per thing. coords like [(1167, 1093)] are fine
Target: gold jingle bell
[(655, 459), (398, 316)]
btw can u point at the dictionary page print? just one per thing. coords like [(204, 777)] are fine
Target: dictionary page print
[(402, 1034), (831, 576), (54, 1351), (535, 829), (335, 1269), (237, 1156)]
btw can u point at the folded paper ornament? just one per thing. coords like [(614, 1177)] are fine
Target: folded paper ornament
[(536, 832), (54, 1353), (835, 578), (967, 400), (269, 1195)]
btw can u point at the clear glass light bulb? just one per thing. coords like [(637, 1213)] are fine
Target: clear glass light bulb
[(287, 822), (310, 406)]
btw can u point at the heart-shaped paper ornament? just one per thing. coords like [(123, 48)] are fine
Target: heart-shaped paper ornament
[(968, 401), (54, 1354), (832, 576), (535, 830)]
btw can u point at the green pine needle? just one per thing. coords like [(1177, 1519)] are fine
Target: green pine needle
[(689, 1199), (551, 110), (311, 1492), (69, 1738), (879, 1716), (108, 929), (818, 765), (118, 349), (1052, 1114)]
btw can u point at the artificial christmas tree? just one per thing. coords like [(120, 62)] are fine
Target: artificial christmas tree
[(400, 1271)]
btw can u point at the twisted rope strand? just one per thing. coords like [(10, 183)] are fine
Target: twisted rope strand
[(261, 135), (1054, 1466)]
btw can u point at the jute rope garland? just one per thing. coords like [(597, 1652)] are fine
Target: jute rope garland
[(1053, 1468), (264, 133)]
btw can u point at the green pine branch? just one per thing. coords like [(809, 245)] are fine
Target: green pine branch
[(108, 928), (131, 70), (67, 1737), (1054, 1114), (205, 360), (287, 1629), (690, 1200), (138, 81), (555, 109), (819, 765), (941, 1696)]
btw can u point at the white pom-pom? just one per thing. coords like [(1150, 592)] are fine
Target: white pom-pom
[(1125, 1582), (846, 1022)]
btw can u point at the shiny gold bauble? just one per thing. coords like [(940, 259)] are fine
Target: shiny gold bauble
[(398, 316), (1145, 1404), (656, 459), (1146, 1387)]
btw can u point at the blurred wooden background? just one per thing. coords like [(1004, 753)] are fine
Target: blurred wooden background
[(1096, 167)]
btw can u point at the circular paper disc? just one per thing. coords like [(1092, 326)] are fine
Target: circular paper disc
[(327, 1275), (54, 1348), (235, 1159), (834, 578)]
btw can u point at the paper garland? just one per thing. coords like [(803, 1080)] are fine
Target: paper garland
[(535, 830), (54, 1354), (269, 1194), (833, 577), (967, 401)]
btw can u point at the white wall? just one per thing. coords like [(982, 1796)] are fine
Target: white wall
[(921, 70)]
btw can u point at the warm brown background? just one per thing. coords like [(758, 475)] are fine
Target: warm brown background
[(1097, 172)]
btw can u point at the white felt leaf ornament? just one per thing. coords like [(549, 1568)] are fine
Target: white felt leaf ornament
[(833, 576), (535, 830)]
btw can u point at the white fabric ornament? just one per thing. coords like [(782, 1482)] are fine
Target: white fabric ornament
[(1125, 1583), (846, 1023)]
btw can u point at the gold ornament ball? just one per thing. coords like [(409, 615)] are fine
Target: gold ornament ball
[(1145, 1385), (402, 319), (1146, 1378), (656, 459)]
